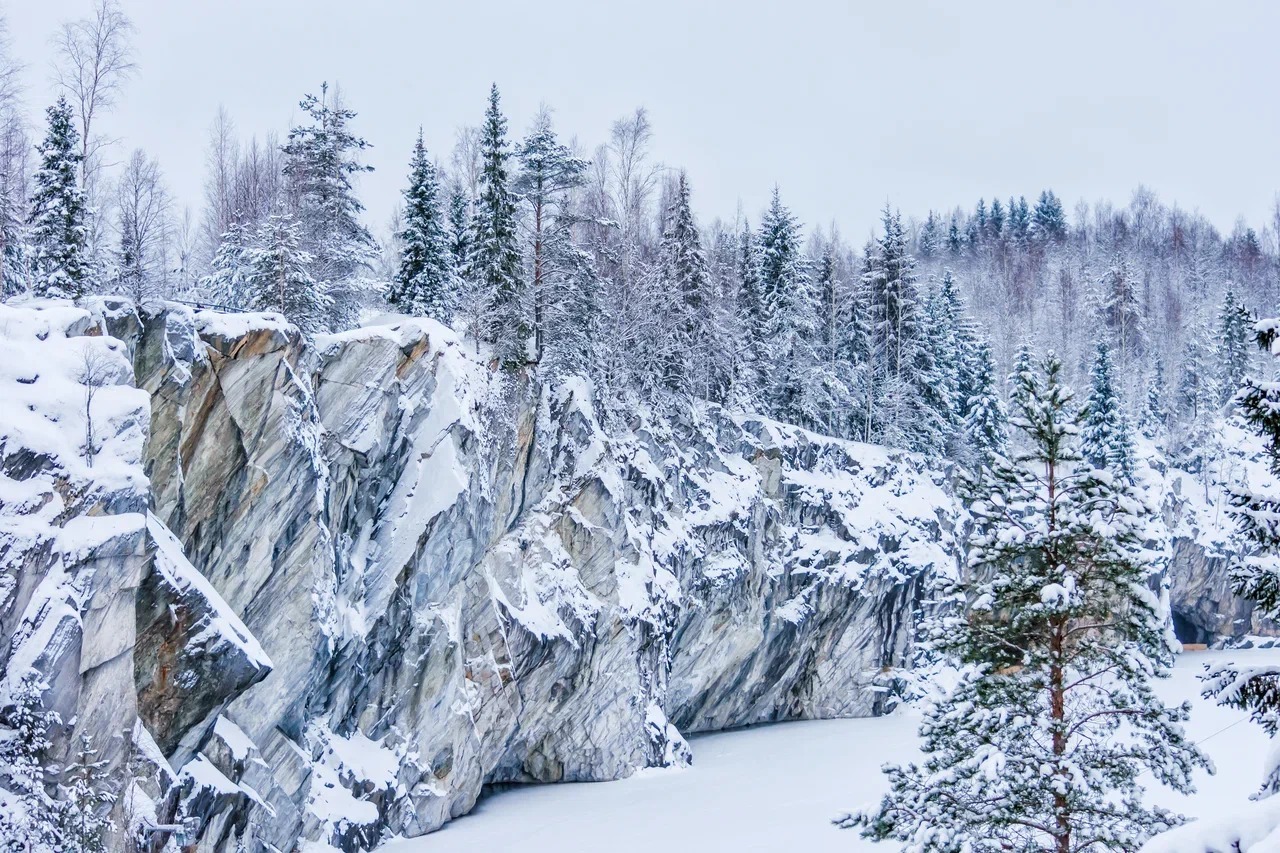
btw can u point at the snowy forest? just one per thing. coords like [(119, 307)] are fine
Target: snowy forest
[(955, 335)]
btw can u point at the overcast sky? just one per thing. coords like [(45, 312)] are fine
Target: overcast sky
[(842, 105)]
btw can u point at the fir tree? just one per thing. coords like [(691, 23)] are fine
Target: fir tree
[(955, 241), (424, 284), (1041, 742), (1235, 340), (493, 260), (1105, 439), (276, 275), (321, 160), (58, 216), (996, 220), (1198, 397)]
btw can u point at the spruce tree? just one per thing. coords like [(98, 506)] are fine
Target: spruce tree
[(985, 422), (277, 275), (1105, 439), (424, 284), (786, 307), (1235, 341), (1041, 742), (60, 264), (321, 160), (224, 284), (493, 261), (1049, 221), (688, 297), (459, 227), (930, 236)]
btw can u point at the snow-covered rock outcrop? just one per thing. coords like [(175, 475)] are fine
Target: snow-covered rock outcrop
[(129, 642), (462, 578)]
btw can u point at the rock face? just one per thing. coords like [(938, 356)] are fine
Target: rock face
[(462, 578)]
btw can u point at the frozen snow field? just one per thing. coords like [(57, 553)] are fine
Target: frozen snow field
[(776, 788)]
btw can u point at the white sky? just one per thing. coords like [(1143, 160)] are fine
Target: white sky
[(844, 105)]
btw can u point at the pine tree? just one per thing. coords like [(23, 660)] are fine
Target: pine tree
[(687, 288), (24, 752), (1023, 366), (321, 159), (87, 797), (1105, 439), (955, 241), (1235, 340), (1042, 740), (276, 275), (493, 260), (58, 216), (425, 283), (548, 171)]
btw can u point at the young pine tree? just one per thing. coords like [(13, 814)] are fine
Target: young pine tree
[(1041, 742), (493, 259), (424, 284), (58, 216), (1155, 414), (1105, 438), (87, 797)]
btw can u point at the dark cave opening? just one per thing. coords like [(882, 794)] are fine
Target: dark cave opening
[(1188, 632)]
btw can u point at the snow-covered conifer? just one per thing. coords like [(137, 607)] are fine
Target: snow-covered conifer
[(277, 275), (1044, 738), (1105, 438), (60, 263), (493, 260), (425, 283)]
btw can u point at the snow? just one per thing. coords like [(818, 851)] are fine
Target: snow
[(777, 787)]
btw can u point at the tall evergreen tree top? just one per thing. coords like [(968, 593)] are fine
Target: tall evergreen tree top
[(1106, 441), (58, 214), (424, 283)]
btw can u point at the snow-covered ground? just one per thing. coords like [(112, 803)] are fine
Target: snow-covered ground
[(777, 787)]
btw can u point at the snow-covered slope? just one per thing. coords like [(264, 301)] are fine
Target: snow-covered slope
[(777, 788)]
